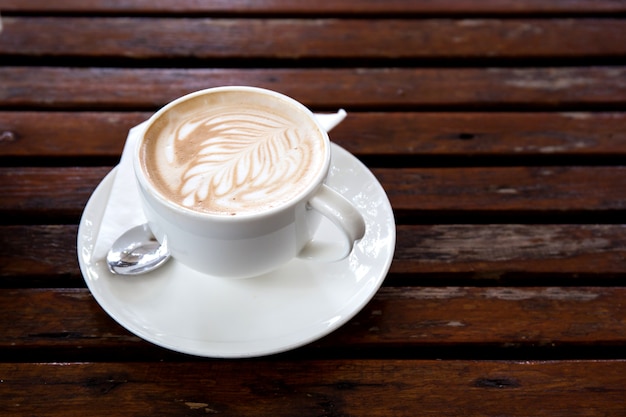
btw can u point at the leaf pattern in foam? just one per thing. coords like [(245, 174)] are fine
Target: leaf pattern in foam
[(242, 157)]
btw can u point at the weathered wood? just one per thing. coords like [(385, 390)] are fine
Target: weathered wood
[(65, 134), (54, 256), (314, 388), (205, 38), (497, 128), (482, 134), (495, 253), (343, 7), (102, 134), (397, 317), (354, 88), (516, 189), (44, 193), (47, 193)]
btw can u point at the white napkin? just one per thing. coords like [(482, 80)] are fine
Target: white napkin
[(123, 210)]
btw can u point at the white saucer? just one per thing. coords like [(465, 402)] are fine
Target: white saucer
[(180, 309)]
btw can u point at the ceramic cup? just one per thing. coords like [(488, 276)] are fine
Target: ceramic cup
[(268, 197)]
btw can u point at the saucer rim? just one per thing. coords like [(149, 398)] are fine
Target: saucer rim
[(290, 343)]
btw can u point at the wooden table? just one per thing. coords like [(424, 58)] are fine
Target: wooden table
[(497, 128)]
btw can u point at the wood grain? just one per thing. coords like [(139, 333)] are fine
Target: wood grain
[(314, 388), (517, 189), (352, 88), (397, 318), (65, 134), (48, 192), (54, 256), (450, 134), (206, 38), (497, 129), (495, 252), (491, 253), (344, 7)]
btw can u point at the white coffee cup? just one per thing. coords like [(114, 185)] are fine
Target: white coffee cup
[(260, 219)]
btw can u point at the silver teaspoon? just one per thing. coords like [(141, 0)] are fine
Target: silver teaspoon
[(136, 252)]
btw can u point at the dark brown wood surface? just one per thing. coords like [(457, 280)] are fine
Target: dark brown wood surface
[(563, 88), (291, 7), (424, 136), (497, 128), (417, 194), (313, 38), (399, 318), (318, 387)]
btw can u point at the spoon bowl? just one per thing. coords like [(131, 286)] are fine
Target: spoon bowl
[(137, 252)]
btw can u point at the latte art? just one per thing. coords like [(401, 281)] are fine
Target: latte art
[(233, 158)]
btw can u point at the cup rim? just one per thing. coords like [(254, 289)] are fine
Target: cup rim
[(148, 186)]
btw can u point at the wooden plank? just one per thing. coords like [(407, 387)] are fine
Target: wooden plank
[(380, 88), (319, 387), (48, 192), (482, 134), (335, 7), (515, 189), (494, 253), (54, 256), (206, 38), (102, 134), (396, 318), (66, 134)]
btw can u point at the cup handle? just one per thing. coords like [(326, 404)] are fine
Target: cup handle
[(344, 216)]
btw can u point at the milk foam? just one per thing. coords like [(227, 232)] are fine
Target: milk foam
[(231, 157)]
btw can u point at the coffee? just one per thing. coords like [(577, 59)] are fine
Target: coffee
[(233, 152)]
